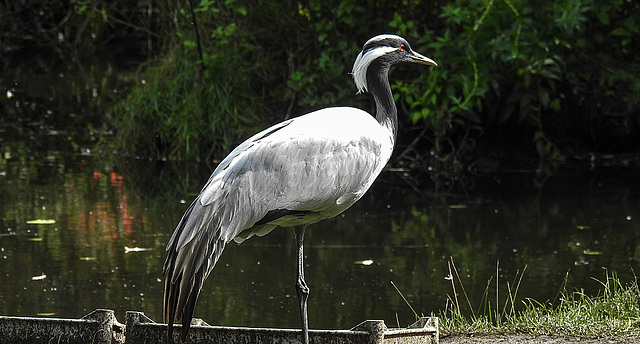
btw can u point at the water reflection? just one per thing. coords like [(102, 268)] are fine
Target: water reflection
[(105, 245)]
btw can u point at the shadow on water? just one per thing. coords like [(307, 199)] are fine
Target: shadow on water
[(79, 231)]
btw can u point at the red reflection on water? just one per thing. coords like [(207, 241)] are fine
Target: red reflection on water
[(102, 207), (117, 180)]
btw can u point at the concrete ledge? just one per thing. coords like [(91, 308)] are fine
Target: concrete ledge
[(98, 327), (101, 327)]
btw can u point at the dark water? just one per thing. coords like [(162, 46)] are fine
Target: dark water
[(79, 231), (104, 245)]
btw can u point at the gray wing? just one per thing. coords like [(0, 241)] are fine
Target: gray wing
[(277, 177), (198, 241)]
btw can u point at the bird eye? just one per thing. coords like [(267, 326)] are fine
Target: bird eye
[(401, 48)]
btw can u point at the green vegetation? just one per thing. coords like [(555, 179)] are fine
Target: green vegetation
[(539, 79), (193, 102), (523, 62), (613, 313)]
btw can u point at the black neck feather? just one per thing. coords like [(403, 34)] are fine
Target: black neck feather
[(379, 87)]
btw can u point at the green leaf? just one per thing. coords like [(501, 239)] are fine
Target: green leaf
[(619, 32), (544, 97)]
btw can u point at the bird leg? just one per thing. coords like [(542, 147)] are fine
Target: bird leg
[(301, 285)]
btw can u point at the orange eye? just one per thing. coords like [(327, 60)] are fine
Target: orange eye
[(401, 48)]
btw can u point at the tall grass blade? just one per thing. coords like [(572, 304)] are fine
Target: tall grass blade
[(406, 301)]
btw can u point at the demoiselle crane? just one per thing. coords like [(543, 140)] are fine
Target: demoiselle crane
[(292, 174)]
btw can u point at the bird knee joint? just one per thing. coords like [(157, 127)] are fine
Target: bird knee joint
[(302, 288)]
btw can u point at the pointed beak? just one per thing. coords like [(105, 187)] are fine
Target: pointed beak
[(417, 58)]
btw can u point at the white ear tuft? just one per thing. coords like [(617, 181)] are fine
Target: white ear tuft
[(363, 61)]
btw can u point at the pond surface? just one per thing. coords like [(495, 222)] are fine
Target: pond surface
[(76, 234), (79, 231)]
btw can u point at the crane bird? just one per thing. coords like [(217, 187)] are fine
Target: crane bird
[(295, 173)]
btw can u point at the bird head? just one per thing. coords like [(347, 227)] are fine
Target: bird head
[(387, 50)]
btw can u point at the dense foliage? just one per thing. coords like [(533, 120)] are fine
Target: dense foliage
[(536, 78)]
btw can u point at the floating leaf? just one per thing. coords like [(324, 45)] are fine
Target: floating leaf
[(581, 227), (46, 314), (36, 239), (365, 262), (87, 258), (38, 278), (41, 222), (457, 206), (592, 253), (135, 249)]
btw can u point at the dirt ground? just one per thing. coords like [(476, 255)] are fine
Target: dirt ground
[(525, 339)]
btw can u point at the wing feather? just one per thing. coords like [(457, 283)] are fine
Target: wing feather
[(307, 166)]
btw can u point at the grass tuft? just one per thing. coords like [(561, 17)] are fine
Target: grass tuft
[(613, 313)]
